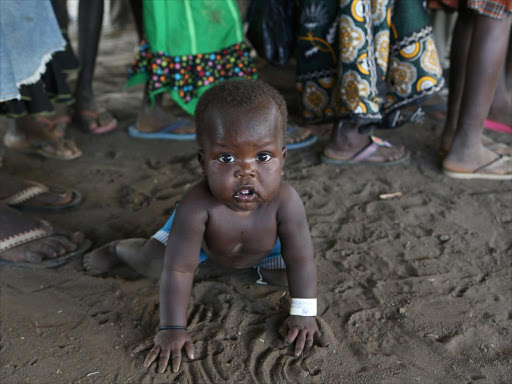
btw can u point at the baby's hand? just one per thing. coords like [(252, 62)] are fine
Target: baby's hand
[(304, 331), (165, 344)]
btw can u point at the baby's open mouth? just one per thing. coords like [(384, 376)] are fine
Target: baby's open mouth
[(245, 193)]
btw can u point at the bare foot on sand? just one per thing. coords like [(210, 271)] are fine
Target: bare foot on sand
[(142, 255)]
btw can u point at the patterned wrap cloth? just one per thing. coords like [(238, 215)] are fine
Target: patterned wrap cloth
[(497, 9), (190, 46), (365, 60)]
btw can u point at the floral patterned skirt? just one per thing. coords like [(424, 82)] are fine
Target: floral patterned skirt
[(365, 60)]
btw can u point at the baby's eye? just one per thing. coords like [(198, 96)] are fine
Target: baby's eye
[(264, 157), (226, 158)]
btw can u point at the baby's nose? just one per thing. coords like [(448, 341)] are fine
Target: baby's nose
[(245, 170)]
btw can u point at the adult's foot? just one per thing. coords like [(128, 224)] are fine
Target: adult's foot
[(487, 142), (26, 241), (296, 134), (156, 118), (481, 160), (93, 118), (346, 143), (34, 135), (25, 194)]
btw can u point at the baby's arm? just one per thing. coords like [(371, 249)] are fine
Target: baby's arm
[(181, 260), (297, 252)]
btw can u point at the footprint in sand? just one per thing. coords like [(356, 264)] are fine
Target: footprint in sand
[(3, 342), (132, 199)]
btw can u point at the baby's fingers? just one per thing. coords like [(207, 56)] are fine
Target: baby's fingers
[(152, 355), (176, 359), (189, 350), (309, 342), (163, 360), (143, 346), (300, 342), (292, 334)]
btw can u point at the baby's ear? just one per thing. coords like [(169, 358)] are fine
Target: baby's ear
[(200, 158), (285, 151)]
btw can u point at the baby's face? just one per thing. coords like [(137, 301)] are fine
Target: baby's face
[(243, 154)]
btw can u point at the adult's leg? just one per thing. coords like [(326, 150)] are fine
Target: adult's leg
[(501, 107), (458, 58), (137, 17), (90, 20), (487, 51)]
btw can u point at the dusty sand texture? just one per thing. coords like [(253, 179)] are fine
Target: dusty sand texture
[(415, 289)]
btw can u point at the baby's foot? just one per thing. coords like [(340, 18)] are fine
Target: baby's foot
[(101, 260)]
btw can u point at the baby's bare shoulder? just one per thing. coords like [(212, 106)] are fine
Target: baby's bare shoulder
[(197, 198), (290, 206), (288, 195)]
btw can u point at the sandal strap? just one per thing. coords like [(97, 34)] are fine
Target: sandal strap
[(370, 149), (26, 194), (24, 237), (495, 163)]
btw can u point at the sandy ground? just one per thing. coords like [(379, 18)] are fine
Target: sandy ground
[(415, 289)]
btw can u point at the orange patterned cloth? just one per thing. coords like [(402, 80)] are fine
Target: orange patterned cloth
[(497, 9)]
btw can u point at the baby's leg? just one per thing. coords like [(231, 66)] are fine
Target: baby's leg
[(143, 255), (273, 277)]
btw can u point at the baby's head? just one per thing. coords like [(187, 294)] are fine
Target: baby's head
[(237, 94), (241, 127)]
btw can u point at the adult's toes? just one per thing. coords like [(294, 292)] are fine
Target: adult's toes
[(33, 257), (66, 243), (60, 248)]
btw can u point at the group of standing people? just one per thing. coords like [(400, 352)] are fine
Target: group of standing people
[(359, 64)]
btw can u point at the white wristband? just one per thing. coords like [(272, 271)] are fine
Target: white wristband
[(303, 307)]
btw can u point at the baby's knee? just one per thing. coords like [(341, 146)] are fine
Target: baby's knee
[(153, 249)]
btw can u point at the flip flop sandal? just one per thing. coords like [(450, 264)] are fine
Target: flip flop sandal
[(496, 126), (166, 133), (86, 117), (482, 172), (362, 156), (35, 189), (306, 142), (51, 263), (42, 149)]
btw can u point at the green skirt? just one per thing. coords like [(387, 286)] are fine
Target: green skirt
[(365, 60), (190, 46)]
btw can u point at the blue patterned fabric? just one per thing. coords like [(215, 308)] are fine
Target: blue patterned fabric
[(29, 35)]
